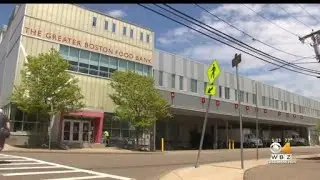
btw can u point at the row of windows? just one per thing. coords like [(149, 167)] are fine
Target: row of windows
[(124, 30), (244, 96), (98, 64)]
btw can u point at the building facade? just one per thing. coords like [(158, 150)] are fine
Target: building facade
[(96, 45)]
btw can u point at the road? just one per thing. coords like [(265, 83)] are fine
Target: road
[(124, 166), (304, 169)]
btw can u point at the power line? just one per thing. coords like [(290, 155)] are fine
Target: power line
[(245, 33), (294, 17), (308, 13), (240, 43), (163, 15), (294, 34)]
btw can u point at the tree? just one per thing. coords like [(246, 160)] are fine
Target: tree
[(137, 100), (46, 87)]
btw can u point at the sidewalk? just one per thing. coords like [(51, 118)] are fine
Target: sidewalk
[(107, 150), (224, 170)]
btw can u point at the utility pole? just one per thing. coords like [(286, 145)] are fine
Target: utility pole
[(315, 37), (235, 62)]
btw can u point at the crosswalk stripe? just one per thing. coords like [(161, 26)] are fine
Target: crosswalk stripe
[(14, 164), (79, 178), (37, 173), (35, 167), (49, 165)]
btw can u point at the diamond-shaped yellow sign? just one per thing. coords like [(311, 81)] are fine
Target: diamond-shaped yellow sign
[(213, 71), (211, 90)]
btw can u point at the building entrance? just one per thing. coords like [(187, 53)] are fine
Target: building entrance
[(75, 131)]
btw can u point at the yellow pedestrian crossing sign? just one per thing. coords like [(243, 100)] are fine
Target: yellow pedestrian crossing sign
[(213, 71), (211, 90)]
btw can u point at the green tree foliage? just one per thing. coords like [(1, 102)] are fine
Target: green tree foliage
[(45, 83), (137, 99)]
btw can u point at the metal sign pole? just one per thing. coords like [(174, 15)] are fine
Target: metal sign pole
[(241, 134), (203, 131), (257, 126)]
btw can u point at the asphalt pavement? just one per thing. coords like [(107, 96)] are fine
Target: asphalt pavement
[(151, 166), (304, 169)]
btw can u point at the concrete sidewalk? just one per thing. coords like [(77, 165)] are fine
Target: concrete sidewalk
[(224, 170), (107, 150)]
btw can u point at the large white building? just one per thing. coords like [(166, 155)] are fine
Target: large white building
[(97, 45)]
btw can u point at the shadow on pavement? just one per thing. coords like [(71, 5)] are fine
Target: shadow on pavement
[(5, 162), (312, 158)]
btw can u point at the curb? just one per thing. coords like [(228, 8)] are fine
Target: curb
[(161, 177), (77, 152)]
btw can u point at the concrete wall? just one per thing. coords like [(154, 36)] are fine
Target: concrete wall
[(72, 25), (9, 50), (268, 97)]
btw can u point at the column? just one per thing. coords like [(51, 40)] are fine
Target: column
[(227, 133), (216, 134)]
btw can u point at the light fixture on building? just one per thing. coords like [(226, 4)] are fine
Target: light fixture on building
[(217, 103), (172, 95), (236, 106), (203, 100), (265, 111), (247, 108)]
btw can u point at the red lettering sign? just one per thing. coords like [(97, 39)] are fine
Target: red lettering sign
[(217, 103), (86, 45)]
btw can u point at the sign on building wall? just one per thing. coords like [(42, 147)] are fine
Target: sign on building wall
[(99, 48)]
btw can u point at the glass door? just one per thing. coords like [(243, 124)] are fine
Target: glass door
[(85, 131), (66, 131), (75, 131)]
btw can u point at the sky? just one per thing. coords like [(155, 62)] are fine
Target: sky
[(285, 22)]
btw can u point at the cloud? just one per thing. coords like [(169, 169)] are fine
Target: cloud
[(117, 13), (201, 48)]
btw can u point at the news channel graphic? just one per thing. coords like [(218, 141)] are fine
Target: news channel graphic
[(279, 154)]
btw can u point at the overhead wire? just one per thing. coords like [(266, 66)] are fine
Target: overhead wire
[(238, 42), (181, 23), (245, 33), (308, 13), (294, 17)]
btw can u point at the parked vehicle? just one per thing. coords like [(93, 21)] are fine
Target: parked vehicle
[(249, 137)]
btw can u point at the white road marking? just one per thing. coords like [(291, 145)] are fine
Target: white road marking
[(35, 167), (17, 160), (37, 173), (79, 178), (54, 165), (14, 164)]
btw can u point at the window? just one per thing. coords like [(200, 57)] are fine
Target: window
[(181, 82), (104, 64), (285, 106), (113, 65), (220, 91), (276, 103), (247, 97), (141, 36), (254, 98), (64, 51), (94, 63), (236, 95), (139, 69), (227, 92), (131, 66), (84, 61), (193, 85), (160, 78), (205, 86), (148, 38), (131, 33), (173, 80), (263, 101), (114, 27), (270, 102), (106, 25), (123, 65), (124, 32), (241, 96), (94, 21)]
